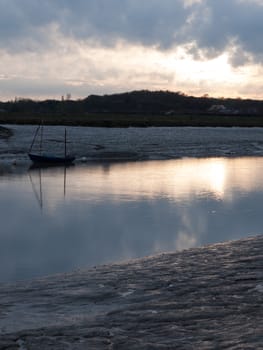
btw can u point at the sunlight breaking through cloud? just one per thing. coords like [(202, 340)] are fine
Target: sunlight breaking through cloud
[(109, 46)]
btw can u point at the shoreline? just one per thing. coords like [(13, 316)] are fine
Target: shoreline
[(122, 120), (200, 298)]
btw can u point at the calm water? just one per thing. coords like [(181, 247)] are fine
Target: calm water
[(57, 220)]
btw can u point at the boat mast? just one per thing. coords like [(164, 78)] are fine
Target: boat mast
[(65, 144), (32, 144), (41, 138)]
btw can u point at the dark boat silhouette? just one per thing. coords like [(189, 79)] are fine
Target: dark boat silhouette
[(52, 159)]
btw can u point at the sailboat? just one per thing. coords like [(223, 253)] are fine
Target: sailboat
[(43, 158)]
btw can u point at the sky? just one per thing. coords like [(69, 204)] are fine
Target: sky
[(52, 48)]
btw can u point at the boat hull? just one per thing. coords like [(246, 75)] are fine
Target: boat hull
[(50, 159)]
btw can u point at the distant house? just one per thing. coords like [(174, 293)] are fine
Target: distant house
[(171, 112), (217, 108), (221, 109)]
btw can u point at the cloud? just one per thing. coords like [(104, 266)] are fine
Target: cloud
[(150, 23), (233, 26), (83, 70), (24, 23), (207, 27), (52, 47)]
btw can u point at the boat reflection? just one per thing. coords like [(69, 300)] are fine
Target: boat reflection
[(36, 173)]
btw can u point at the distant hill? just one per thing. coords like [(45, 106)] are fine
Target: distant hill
[(136, 108), (137, 102)]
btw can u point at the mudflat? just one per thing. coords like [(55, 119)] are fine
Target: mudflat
[(202, 298), (5, 132)]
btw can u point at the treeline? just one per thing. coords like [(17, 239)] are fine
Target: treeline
[(137, 102)]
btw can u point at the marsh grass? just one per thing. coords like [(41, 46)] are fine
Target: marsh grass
[(135, 120)]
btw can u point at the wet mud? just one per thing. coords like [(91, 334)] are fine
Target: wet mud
[(202, 298), (5, 132)]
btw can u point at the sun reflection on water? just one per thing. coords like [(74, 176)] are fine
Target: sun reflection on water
[(172, 179)]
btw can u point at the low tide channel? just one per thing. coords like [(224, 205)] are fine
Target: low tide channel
[(56, 220)]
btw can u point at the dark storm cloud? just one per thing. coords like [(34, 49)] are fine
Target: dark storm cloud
[(147, 22), (21, 22), (103, 21), (211, 26), (228, 24)]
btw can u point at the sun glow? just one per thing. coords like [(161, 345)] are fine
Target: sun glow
[(215, 176), (96, 69)]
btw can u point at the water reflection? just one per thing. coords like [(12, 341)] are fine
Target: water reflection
[(172, 179), (35, 176), (99, 213)]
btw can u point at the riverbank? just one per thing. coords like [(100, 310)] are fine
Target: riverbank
[(119, 120), (203, 298)]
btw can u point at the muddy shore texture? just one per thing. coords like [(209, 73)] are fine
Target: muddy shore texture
[(202, 298), (5, 132)]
